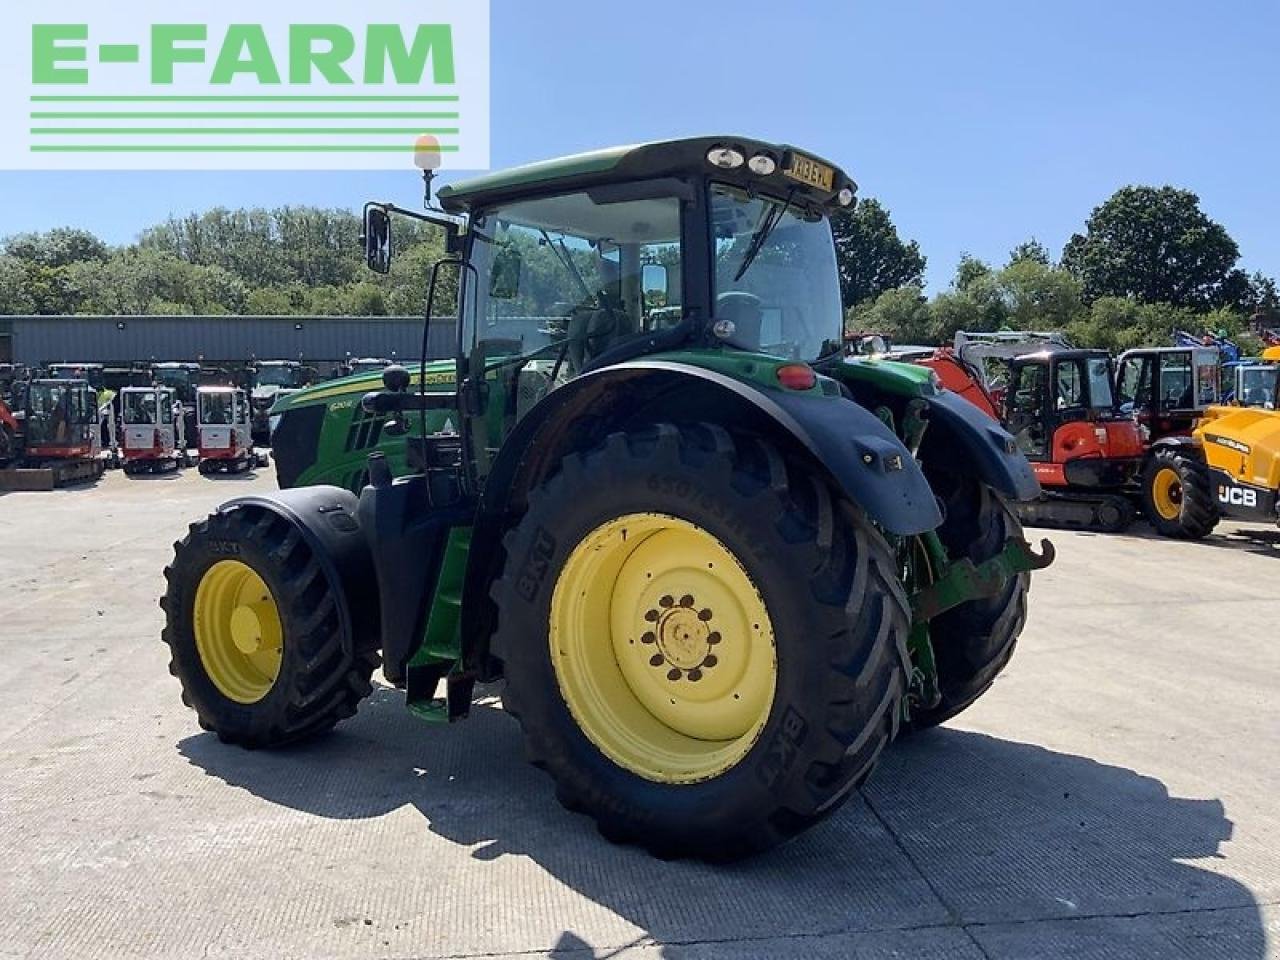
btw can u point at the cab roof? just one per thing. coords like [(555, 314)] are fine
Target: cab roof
[(642, 161)]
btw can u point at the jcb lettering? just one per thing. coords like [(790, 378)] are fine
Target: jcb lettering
[(1238, 496)]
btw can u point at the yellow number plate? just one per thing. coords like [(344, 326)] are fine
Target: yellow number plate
[(811, 172)]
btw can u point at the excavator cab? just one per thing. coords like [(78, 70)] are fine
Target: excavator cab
[(1061, 411), (1166, 389)]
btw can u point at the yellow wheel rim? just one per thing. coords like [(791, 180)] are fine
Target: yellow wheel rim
[(663, 648), (1166, 493), (238, 633)]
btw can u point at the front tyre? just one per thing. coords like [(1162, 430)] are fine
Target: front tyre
[(255, 633), (705, 648), (1177, 496)]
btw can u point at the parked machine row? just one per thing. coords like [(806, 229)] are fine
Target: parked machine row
[(1185, 434)]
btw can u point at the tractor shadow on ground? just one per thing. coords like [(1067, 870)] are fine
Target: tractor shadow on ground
[(955, 828)]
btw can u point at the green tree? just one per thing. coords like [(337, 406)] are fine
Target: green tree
[(1030, 250), (902, 313), (57, 248), (1035, 295), (1156, 245), (968, 271), (871, 256), (15, 298)]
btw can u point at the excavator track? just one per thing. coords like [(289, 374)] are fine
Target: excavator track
[(1105, 513)]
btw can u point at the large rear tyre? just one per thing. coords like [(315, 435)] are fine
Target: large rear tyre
[(704, 645), (1177, 496), (973, 642), (255, 633)]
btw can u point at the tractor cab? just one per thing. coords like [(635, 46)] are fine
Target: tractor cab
[(266, 382), (153, 433), (224, 435), (1166, 389)]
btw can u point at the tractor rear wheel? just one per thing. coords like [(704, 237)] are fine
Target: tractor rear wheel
[(255, 633), (704, 644), (1177, 496), (973, 642)]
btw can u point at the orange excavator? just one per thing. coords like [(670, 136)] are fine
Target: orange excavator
[(9, 434), (1057, 402)]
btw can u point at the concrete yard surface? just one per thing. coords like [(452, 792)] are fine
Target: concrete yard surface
[(1113, 796)]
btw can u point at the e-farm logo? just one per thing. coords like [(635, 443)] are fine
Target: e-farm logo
[(282, 84)]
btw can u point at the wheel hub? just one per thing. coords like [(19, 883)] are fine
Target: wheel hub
[(247, 626), (238, 632), (684, 637)]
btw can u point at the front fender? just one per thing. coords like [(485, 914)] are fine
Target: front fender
[(991, 450), (326, 520)]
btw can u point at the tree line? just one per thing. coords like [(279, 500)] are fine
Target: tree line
[(1147, 262), (288, 261)]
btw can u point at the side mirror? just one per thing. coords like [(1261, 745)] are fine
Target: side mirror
[(655, 280), (377, 239), (504, 283)]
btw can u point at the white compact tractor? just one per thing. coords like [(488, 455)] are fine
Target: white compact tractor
[(154, 436), (225, 438)]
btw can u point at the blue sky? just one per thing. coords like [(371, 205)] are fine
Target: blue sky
[(978, 123)]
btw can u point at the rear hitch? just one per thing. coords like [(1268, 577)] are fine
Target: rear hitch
[(964, 580)]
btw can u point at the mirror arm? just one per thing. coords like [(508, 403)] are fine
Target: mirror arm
[(445, 220)]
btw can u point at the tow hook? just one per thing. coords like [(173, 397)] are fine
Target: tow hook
[(964, 580)]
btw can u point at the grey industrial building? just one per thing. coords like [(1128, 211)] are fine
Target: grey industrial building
[(36, 340)]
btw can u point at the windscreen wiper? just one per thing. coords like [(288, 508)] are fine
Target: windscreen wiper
[(771, 219)]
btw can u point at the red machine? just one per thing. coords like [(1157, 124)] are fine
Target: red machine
[(8, 434), (154, 438), (61, 433), (225, 435), (1058, 404)]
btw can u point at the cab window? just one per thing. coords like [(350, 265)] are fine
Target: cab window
[(561, 280), (1070, 380), (1135, 383)]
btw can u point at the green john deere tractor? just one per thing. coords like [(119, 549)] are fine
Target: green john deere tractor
[(718, 567)]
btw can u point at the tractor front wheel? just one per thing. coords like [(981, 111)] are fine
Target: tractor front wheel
[(973, 642), (1177, 496), (704, 644), (255, 633)]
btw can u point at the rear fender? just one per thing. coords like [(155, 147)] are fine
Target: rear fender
[(962, 436), (859, 454)]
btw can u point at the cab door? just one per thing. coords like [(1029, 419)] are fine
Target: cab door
[(1135, 389), (1025, 408)]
